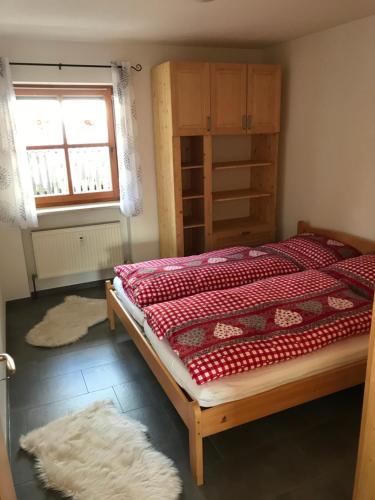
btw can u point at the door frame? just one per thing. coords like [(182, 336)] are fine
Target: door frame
[(364, 486), (7, 491)]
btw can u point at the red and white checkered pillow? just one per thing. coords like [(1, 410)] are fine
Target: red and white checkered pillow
[(358, 273), (312, 251)]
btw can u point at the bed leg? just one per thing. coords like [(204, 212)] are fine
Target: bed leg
[(111, 314), (196, 444)]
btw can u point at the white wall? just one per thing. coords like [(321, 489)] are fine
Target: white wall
[(13, 274), (327, 153), (144, 228), (3, 385)]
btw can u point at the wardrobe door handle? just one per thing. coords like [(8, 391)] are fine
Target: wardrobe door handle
[(248, 121), (244, 122), (208, 123)]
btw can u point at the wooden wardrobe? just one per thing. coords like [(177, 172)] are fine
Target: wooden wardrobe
[(216, 129)]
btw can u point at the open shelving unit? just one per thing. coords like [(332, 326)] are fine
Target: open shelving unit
[(244, 193), (216, 129), (194, 193), (243, 223), (225, 203), (190, 166), (190, 223), (230, 165), (238, 194), (190, 194)]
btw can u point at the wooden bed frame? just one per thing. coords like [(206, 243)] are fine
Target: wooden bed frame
[(203, 422)]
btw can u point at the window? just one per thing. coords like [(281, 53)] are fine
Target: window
[(70, 143)]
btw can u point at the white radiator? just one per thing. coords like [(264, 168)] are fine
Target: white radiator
[(59, 252)]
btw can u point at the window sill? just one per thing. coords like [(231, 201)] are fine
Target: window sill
[(73, 208)]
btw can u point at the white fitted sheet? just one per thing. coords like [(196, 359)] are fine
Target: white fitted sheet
[(132, 309), (242, 385)]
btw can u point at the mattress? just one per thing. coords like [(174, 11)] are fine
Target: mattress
[(132, 309), (247, 384)]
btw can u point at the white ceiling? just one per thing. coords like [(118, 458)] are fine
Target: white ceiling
[(248, 23)]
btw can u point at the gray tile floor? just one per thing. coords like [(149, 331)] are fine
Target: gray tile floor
[(305, 453)]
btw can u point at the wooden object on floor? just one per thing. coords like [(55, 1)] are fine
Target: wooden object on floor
[(203, 422), (194, 102), (364, 488)]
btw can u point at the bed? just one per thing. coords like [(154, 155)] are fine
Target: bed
[(222, 404), (163, 280)]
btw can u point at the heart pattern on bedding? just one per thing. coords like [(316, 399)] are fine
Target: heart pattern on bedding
[(236, 256), (256, 253), (223, 331), (172, 268), (216, 260), (146, 270), (285, 318), (193, 263), (340, 304), (192, 338), (312, 306), (257, 322), (335, 243)]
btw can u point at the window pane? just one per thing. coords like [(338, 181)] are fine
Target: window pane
[(49, 171), (85, 120), (90, 169), (39, 121)]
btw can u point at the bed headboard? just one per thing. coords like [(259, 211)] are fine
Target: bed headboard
[(361, 244)]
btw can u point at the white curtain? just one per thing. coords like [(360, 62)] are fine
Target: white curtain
[(17, 202), (129, 168)]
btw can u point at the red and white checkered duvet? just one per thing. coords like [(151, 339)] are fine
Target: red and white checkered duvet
[(168, 279), (162, 280), (225, 332)]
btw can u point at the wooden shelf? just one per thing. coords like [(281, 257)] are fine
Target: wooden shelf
[(190, 222), (190, 194), (223, 226), (228, 165), (226, 172), (238, 194), (191, 166)]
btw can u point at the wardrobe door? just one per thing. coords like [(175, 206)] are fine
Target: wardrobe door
[(190, 98), (263, 98), (228, 98)]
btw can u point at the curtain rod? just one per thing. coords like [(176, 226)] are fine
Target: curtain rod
[(137, 67)]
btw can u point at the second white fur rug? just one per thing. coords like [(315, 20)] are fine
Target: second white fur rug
[(101, 454), (67, 322)]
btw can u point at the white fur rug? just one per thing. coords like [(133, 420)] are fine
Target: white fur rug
[(67, 322), (101, 454)]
